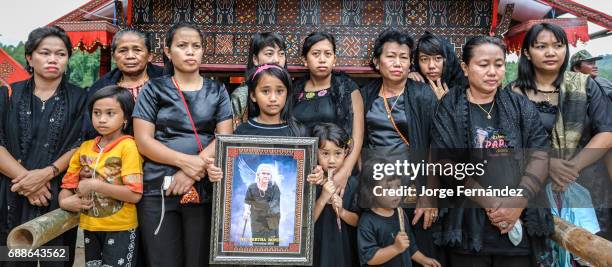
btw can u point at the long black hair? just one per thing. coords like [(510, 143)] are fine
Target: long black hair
[(254, 75), (169, 67), (526, 71), (430, 44), (123, 96), (262, 40), (37, 35)]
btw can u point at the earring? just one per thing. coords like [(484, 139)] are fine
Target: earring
[(124, 125)]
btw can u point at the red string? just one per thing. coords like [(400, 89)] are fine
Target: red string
[(195, 132)]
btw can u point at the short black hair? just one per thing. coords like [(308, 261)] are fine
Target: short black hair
[(390, 36), (526, 70), (262, 40), (316, 37), (122, 95), (331, 132), (37, 35)]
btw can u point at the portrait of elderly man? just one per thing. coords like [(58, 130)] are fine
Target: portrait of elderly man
[(262, 206)]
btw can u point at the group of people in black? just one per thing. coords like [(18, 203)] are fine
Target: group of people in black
[(427, 104)]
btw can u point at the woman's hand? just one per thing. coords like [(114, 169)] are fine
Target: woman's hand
[(215, 174), (439, 88), (430, 262), (316, 176), (180, 184), (75, 203), (41, 197), (193, 166), (562, 173), (430, 216), (31, 181), (415, 76)]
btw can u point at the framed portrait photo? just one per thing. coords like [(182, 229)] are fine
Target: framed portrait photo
[(262, 208)]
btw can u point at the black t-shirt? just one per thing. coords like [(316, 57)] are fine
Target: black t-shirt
[(491, 145), (380, 130), (160, 103), (375, 232), (252, 127)]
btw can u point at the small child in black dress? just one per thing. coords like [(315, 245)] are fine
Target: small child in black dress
[(381, 239), (335, 243)]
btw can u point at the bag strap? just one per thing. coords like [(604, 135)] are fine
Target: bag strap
[(390, 116), (195, 132)]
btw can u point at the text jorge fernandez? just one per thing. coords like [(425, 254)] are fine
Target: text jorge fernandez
[(459, 171)]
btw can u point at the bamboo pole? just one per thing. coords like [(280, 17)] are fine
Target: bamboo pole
[(589, 247), (40, 230)]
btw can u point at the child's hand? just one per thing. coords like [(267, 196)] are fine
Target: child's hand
[(316, 177), (85, 173), (87, 186), (401, 242), (75, 203), (337, 204), (328, 190), (215, 174)]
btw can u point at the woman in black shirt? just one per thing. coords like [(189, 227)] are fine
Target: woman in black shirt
[(482, 123), (324, 95), (175, 121), (576, 114), (40, 127)]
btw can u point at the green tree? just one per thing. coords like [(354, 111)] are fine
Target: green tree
[(511, 72)]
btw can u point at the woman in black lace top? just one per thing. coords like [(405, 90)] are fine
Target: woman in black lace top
[(575, 112), (483, 123), (40, 127), (324, 95)]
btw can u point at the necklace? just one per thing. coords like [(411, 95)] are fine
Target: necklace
[(487, 112), (139, 82), (547, 93), (45, 101), (389, 110), (382, 89), (261, 193)]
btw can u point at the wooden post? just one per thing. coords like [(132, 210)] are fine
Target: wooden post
[(578, 241), (105, 60)]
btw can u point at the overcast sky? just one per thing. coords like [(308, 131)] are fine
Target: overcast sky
[(18, 18)]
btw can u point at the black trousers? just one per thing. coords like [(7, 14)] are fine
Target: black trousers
[(111, 248), (183, 238), (469, 260)]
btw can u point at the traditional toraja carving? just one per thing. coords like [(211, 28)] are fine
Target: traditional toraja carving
[(504, 25), (229, 24), (42, 229)]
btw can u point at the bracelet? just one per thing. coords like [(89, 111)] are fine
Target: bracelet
[(56, 170)]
